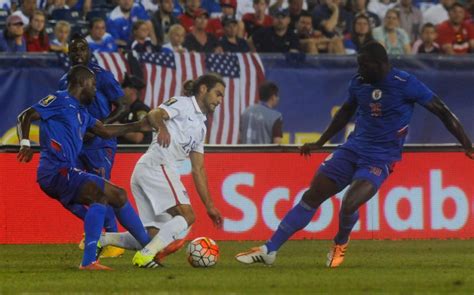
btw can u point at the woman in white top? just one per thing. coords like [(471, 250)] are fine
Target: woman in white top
[(390, 35)]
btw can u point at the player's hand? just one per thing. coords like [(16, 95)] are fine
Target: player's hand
[(25, 154), (145, 125), (163, 137), (305, 149), (215, 216), (88, 136)]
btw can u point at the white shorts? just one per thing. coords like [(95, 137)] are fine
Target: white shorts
[(156, 189)]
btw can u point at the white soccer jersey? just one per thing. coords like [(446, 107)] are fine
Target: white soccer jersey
[(187, 130)]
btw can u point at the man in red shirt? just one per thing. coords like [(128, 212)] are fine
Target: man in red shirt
[(187, 18), (254, 21), (456, 36)]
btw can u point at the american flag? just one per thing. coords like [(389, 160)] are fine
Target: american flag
[(242, 72), (165, 73), (114, 62)]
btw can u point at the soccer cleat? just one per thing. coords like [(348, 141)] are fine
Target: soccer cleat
[(170, 249), (145, 261), (336, 255), (111, 252), (257, 255), (95, 266)]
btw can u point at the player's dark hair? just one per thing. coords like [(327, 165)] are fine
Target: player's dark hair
[(267, 89), (209, 79), (188, 86), (375, 51), (78, 74)]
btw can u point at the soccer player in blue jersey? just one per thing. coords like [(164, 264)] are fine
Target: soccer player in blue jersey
[(383, 99), (98, 154), (64, 121)]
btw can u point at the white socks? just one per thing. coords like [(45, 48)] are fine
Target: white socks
[(123, 240), (169, 232)]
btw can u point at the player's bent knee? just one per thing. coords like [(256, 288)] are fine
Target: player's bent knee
[(118, 198)]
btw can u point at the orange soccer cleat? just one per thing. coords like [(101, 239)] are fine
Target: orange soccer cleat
[(94, 266), (170, 249), (336, 255)]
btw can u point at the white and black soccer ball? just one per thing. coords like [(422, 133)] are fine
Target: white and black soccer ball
[(202, 252)]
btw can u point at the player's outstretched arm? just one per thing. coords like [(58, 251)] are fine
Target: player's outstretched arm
[(339, 121), (439, 108), (121, 109), (23, 131), (157, 118), (114, 130), (200, 182)]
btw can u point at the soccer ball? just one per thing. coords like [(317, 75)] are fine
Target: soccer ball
[(202, 252)]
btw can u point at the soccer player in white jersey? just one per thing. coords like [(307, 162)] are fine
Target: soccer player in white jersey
[(162, 201)]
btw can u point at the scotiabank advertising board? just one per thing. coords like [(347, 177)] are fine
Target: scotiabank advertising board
[(429, 195)]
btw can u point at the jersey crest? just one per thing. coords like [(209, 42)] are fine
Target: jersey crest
[(170, 101), (376, 94), (47, 100)]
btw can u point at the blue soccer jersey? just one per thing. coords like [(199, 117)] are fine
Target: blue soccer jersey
[(384, 112), (108, 91), (120, 27), (63, 124)]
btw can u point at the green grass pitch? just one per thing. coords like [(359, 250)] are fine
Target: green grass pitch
[(371, 267)]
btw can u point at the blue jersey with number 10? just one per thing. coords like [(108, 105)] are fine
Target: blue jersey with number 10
[(384, 112)]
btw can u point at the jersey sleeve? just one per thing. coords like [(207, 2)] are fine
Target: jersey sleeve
[(110, 87), (63, 82), (90, 120), (49, 106), (417, 91), (174, 106)]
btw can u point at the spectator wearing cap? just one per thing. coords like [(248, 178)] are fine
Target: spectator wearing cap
[(62, 30), (456, 36), (121, 19), (257, 20), (230, 42), (141, 38), (12, 39), (177, 36), (215, 25), (276, 38), (162, 20), (332, 19), (98, 39), (187, 18), (27, 8), (138, 110), (36, 38), (199, 40)]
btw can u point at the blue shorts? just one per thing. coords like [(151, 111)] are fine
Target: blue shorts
[(66, 184), (344, 166), (98, 162)]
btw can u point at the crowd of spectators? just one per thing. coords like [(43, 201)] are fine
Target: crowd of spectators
[(217, 26)]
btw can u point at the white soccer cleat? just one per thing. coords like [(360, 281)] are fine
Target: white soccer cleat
[(257, 255)]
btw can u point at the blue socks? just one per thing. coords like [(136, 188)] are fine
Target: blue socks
[(346, 223), (296, 219), (129, 219), (110, 224), (80, 211), (93, 223)]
